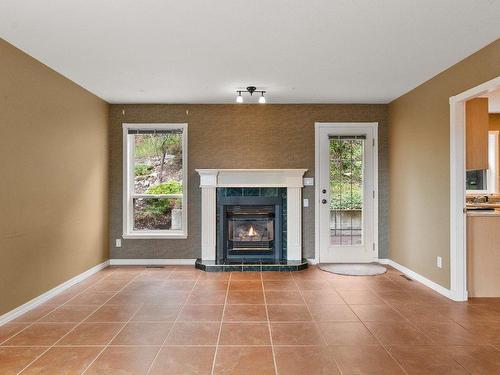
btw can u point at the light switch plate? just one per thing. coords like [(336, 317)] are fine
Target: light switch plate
[(308, 181), (439, 262), (118, 242), (306, 202)]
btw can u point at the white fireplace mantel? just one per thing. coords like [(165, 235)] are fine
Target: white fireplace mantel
[(211, 179)]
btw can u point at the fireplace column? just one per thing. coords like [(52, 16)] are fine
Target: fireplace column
[(294, 223), (208, 185)]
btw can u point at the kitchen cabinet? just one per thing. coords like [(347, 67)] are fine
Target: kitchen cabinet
[(476, 127)]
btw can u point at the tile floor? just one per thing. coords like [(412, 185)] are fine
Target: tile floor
[(178, 320)]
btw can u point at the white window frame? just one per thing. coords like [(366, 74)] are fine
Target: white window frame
[(128, 184)]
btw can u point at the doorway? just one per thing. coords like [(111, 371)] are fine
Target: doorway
[(346, 192)]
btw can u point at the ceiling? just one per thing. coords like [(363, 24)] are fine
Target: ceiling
[(201, 51)]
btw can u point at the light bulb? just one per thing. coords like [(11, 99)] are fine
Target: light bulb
[(262, 99), (239, 98)]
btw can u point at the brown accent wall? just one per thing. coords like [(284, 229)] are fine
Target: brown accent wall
[(419, 150), (54, 178), (238, 136)]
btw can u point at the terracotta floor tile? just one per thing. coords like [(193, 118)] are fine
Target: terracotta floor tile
[(288, 313), (420, 313), (396, 298), (10, 329), (13, 360), (184, 360), (184, 275), (477, 359), (127, 298), (448, 333), (244, 360), (108, 285), (142, 334), (377, 313), (466, 312), (178, 285), (284, 298), (239, 297), (166, 297), (34, 314), (245, 334), (113, 313), (235, 276), (157, 313), (40, 334), (297, 333), (277, 276), (313, 284), (126, 360), (210, 276), (347, 333), (201, 313), (300, 360), (364, 360), (397, 333), (194, 333), (91, 334), (276, 285), (211, 285), (69, 314), (426, 360), (487, 332), (90, 298), (245, 313), (360, 297), (64, 360), (202, 297), (332, 313), (245, 285), (329, 296)]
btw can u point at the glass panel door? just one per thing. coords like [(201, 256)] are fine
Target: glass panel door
[(346, 190)]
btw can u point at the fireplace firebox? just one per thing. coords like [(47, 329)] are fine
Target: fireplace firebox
[(250, 228)]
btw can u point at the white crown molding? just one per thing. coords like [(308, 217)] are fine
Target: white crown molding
[(151, 262), (37, 301), (421, 279)]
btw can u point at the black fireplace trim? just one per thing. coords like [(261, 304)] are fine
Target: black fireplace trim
[(223, 202)]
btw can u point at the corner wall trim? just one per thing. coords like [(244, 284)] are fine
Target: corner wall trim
[(415, 276), (51, 293), (147, 262)]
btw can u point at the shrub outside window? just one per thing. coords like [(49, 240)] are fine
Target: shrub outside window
[(155, 181)]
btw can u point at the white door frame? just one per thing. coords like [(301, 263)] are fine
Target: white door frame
[(458, 253), (317, 195)]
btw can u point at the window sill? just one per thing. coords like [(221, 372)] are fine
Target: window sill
[(156, 236)]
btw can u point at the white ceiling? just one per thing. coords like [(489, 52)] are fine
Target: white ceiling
[(201, 51)]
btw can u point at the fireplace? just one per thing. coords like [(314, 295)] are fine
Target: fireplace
[(250, 228)]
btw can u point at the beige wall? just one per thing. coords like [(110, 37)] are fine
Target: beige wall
[(238, 136), (53, 184), (419, 159)]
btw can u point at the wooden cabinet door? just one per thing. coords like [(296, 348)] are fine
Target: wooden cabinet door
[(477, 123)]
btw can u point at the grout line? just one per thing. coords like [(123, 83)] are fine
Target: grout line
[(314, 320), (173, 325), (78, 324), (221, 322), (269, 325)]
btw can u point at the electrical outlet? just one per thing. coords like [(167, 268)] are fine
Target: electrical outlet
[(118, 242), (306, 202), (439, 262)]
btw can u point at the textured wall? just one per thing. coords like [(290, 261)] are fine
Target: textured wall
[(54, 177), (238, 136), (419, 150)]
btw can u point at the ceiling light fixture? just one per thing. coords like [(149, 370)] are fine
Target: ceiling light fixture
[(251, 90)]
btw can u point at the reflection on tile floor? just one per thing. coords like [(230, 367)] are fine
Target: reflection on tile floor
[(178, 320)]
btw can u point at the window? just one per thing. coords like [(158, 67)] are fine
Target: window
[(155, 181)]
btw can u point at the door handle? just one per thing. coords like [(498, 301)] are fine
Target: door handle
[(323, 201)]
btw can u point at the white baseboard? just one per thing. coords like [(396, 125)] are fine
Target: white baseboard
[(415, 276), (152, 262), (50, 294), (312, 261)]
